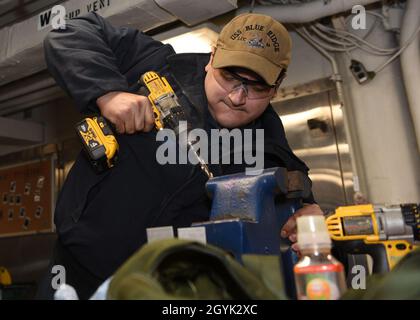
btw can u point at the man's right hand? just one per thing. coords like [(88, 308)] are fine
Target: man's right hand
[(128, 112)]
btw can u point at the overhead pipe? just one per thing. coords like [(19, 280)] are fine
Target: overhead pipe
[(307, 12)]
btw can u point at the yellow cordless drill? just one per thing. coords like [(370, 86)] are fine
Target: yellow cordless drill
[(167, 110), (99, 141), (385, 233)]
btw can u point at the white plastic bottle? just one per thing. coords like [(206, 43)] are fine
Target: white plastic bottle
[(318, 275)]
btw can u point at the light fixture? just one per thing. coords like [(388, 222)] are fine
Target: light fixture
[(198, 41)]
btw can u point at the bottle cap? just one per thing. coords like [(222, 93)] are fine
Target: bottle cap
[(65, 292), (312, 232)]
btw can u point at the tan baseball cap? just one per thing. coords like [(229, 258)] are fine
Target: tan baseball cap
[(256, 42)]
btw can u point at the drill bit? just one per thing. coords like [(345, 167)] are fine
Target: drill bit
[(203, 164)]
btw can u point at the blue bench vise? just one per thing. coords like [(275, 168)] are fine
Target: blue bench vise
[(248, 212)]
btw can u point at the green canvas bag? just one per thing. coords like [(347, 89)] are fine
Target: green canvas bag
[(182, 269)]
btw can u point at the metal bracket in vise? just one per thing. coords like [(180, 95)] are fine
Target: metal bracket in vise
[(248, 213)]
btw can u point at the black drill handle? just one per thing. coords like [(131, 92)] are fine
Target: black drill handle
[(377, 251)]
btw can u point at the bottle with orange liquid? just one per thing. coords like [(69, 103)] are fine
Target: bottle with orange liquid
[(318, 275)]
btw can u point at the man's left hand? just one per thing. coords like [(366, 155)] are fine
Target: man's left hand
[(289, 229)]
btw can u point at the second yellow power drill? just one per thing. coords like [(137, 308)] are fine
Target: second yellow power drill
[(385, 233)]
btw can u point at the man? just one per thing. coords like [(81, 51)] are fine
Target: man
[(101, 219)]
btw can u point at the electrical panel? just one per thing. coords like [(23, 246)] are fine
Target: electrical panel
[(26, 202)]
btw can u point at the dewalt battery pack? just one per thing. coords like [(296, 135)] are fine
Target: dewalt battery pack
[(99, 142)]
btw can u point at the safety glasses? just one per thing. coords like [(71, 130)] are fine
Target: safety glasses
[(231, 82)]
